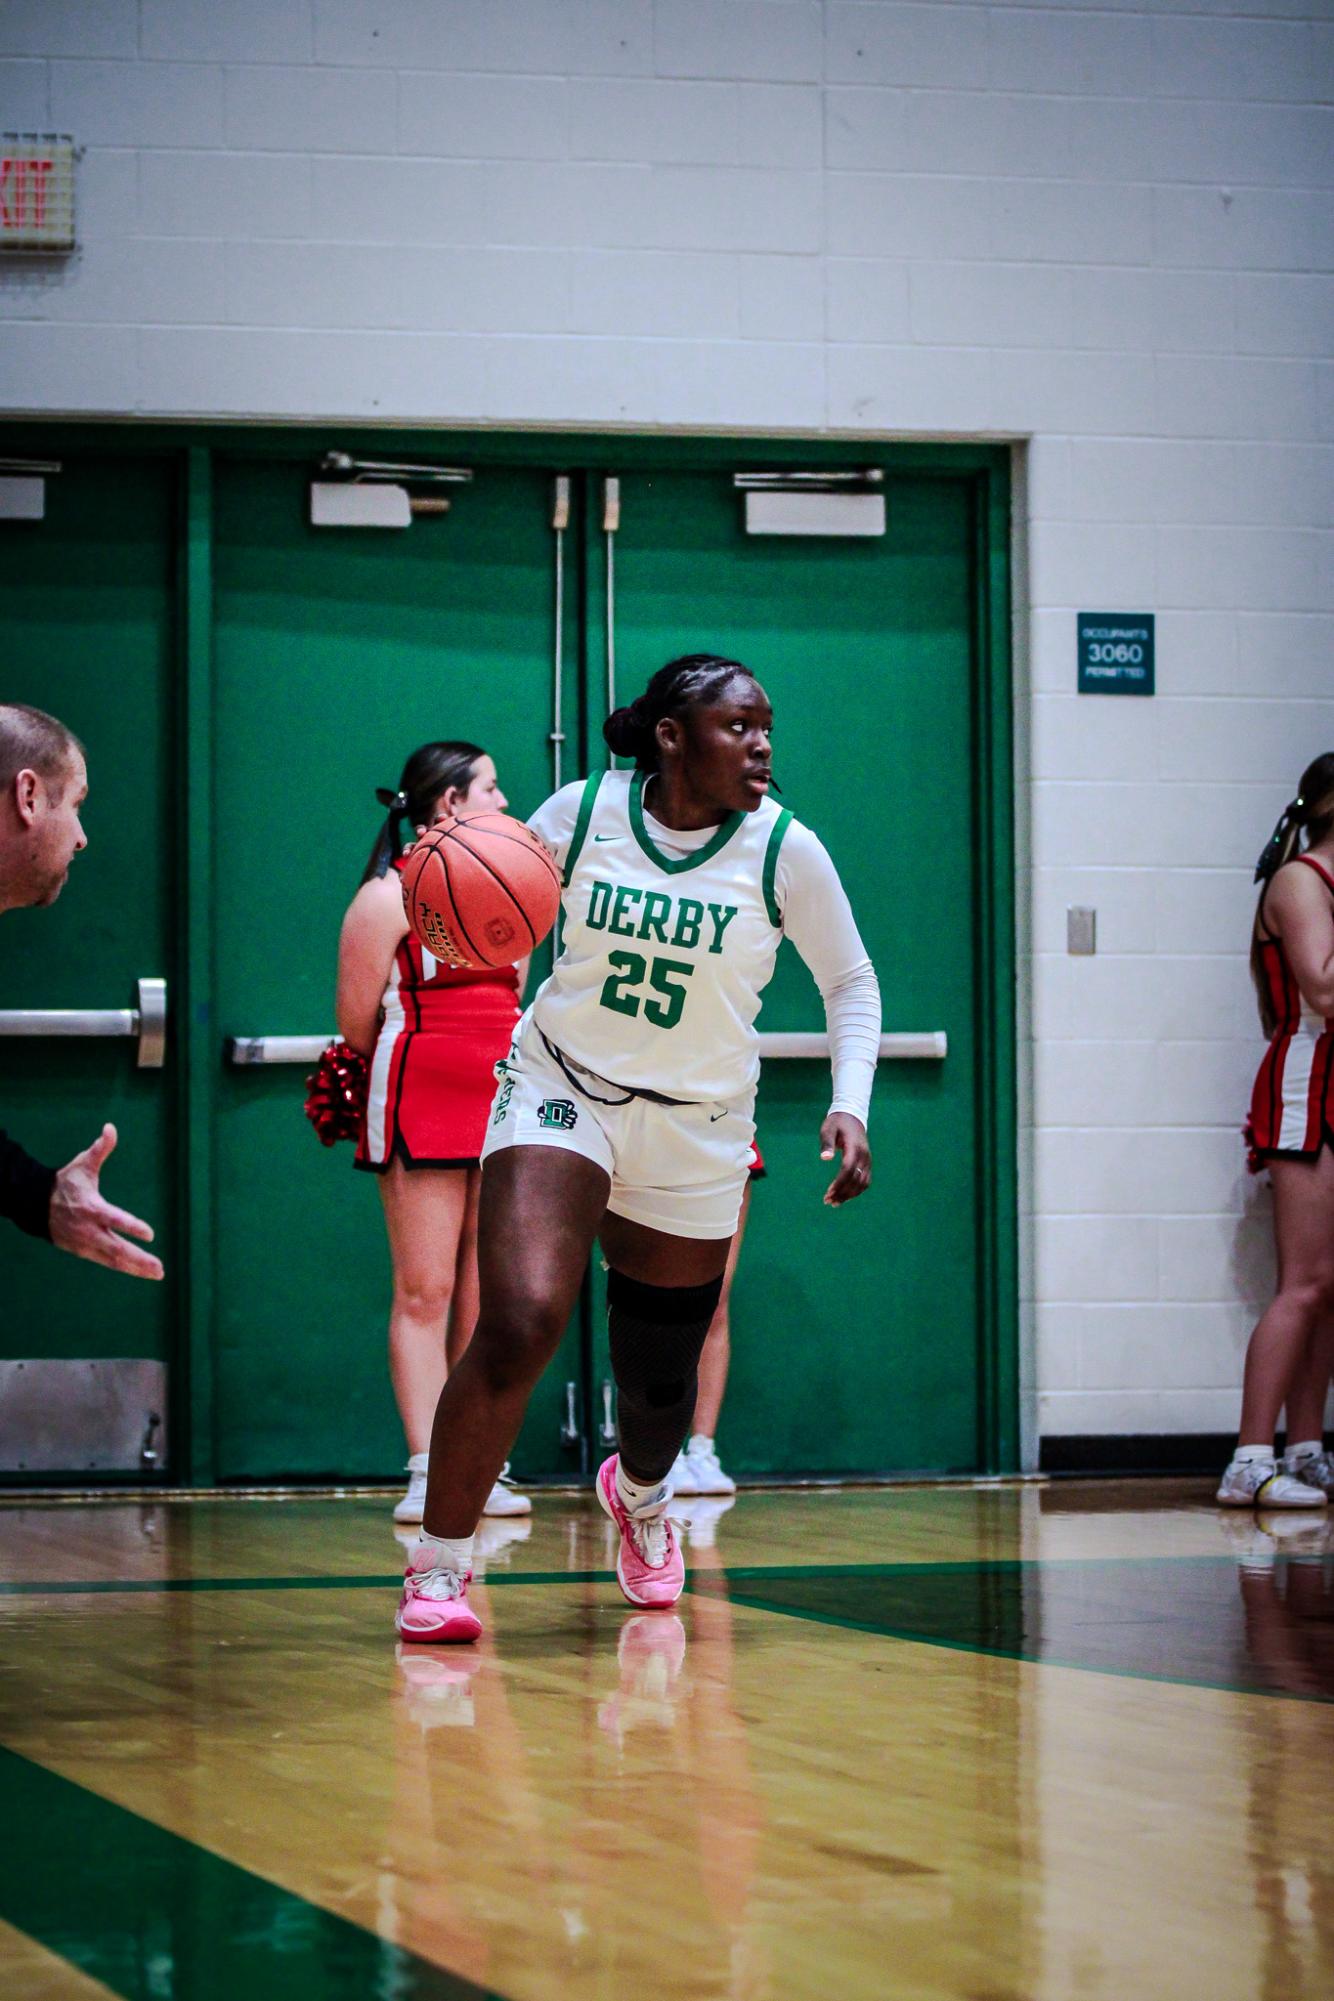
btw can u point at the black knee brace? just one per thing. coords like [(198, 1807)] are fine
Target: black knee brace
[(657, 1332)]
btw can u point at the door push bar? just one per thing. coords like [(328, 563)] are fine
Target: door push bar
[(931, 1046), (147, 1023)]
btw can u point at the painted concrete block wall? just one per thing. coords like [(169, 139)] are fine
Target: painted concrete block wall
[(1102, 230)]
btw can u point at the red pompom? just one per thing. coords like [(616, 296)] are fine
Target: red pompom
[(336, 1093), (1255, 1160)]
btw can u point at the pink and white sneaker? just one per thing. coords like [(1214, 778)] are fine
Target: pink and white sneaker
[(434, 1607), (650, 1568)]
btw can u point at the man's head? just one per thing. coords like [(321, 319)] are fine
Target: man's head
[(43, 783)]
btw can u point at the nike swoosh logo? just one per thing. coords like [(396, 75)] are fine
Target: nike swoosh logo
[(608, 837), (715, 1116)]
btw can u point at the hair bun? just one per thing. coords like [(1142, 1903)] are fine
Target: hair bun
[(625, 731)]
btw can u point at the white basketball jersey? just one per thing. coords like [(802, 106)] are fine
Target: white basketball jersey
[(663, 958)]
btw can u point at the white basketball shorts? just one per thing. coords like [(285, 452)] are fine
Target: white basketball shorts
[(677, 1168)]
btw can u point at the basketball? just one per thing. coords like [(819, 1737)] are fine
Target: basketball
[(480, 891)]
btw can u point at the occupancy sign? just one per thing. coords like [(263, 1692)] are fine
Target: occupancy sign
[(1115, 652)]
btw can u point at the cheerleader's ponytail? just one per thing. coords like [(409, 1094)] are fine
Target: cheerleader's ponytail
[(389, 840), (1279, 847), (432, 770)]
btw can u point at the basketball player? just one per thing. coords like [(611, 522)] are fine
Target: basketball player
[(43, 784), (1291, 1130), (624, 1108), (433, 1035)]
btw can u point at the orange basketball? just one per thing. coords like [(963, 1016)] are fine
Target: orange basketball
[(480, 891)]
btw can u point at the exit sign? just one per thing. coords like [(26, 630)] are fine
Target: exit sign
[(1115, 652), (36, 191)]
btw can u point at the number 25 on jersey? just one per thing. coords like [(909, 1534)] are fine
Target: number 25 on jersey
[(665, 976)]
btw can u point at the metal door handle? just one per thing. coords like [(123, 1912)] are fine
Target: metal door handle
[(930, 1046), (607, 1428), (146, 1023), (243, 1050), (569, 1431), (149, 1455)]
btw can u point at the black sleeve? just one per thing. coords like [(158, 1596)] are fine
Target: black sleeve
[(25, 1188)]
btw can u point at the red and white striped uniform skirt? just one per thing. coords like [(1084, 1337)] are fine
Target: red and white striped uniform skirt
[(1292, 1104), (432, 1077)]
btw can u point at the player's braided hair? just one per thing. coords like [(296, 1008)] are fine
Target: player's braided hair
[(695, 679), (1311, 814), (432, 769)]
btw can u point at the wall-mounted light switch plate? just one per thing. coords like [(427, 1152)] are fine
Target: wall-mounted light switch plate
[(1081, 932)]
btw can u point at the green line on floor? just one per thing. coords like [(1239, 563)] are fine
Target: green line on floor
[(361, 1581), (735, 1572), (155, 1917)]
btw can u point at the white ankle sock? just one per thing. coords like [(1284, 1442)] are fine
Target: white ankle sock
[(1253, 1453), (699, 1441), (417, 1462), (633, 1496), (1304, 1448), (446, 1552)]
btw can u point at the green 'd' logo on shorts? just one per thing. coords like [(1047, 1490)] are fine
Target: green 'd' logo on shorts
[(558, 1113)]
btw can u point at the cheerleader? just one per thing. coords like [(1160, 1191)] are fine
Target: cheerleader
[(432, 1036), (625, 1108), (1291, 1132)]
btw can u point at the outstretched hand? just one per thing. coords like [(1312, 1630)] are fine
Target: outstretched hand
[(88, 1226), (843, 1133)]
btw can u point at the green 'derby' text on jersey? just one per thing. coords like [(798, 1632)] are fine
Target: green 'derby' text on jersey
[(663, 958)]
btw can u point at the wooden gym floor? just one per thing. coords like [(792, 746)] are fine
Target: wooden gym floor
[(985, 1742)]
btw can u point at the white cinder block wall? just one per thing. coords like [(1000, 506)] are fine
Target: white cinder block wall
[(1104, 230)]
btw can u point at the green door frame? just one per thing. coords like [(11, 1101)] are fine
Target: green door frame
[(193, 1397), (987, 467)]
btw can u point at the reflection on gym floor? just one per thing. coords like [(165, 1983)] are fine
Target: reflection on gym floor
[(919, 1742)]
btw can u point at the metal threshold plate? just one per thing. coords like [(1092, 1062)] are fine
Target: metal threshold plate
[(83, 1416)]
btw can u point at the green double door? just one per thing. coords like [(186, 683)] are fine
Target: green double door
[(864, 1340), (876, 1338)]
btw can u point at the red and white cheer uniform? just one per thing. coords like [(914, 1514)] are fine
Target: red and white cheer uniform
[(432, 1076), (1292, 1105)]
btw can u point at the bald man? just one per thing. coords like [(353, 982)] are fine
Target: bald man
[(43, 784)]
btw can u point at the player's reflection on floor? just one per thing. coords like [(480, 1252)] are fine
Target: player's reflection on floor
[(574, 1741), (437, 1687), (650, 1655), (651, 1651)]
